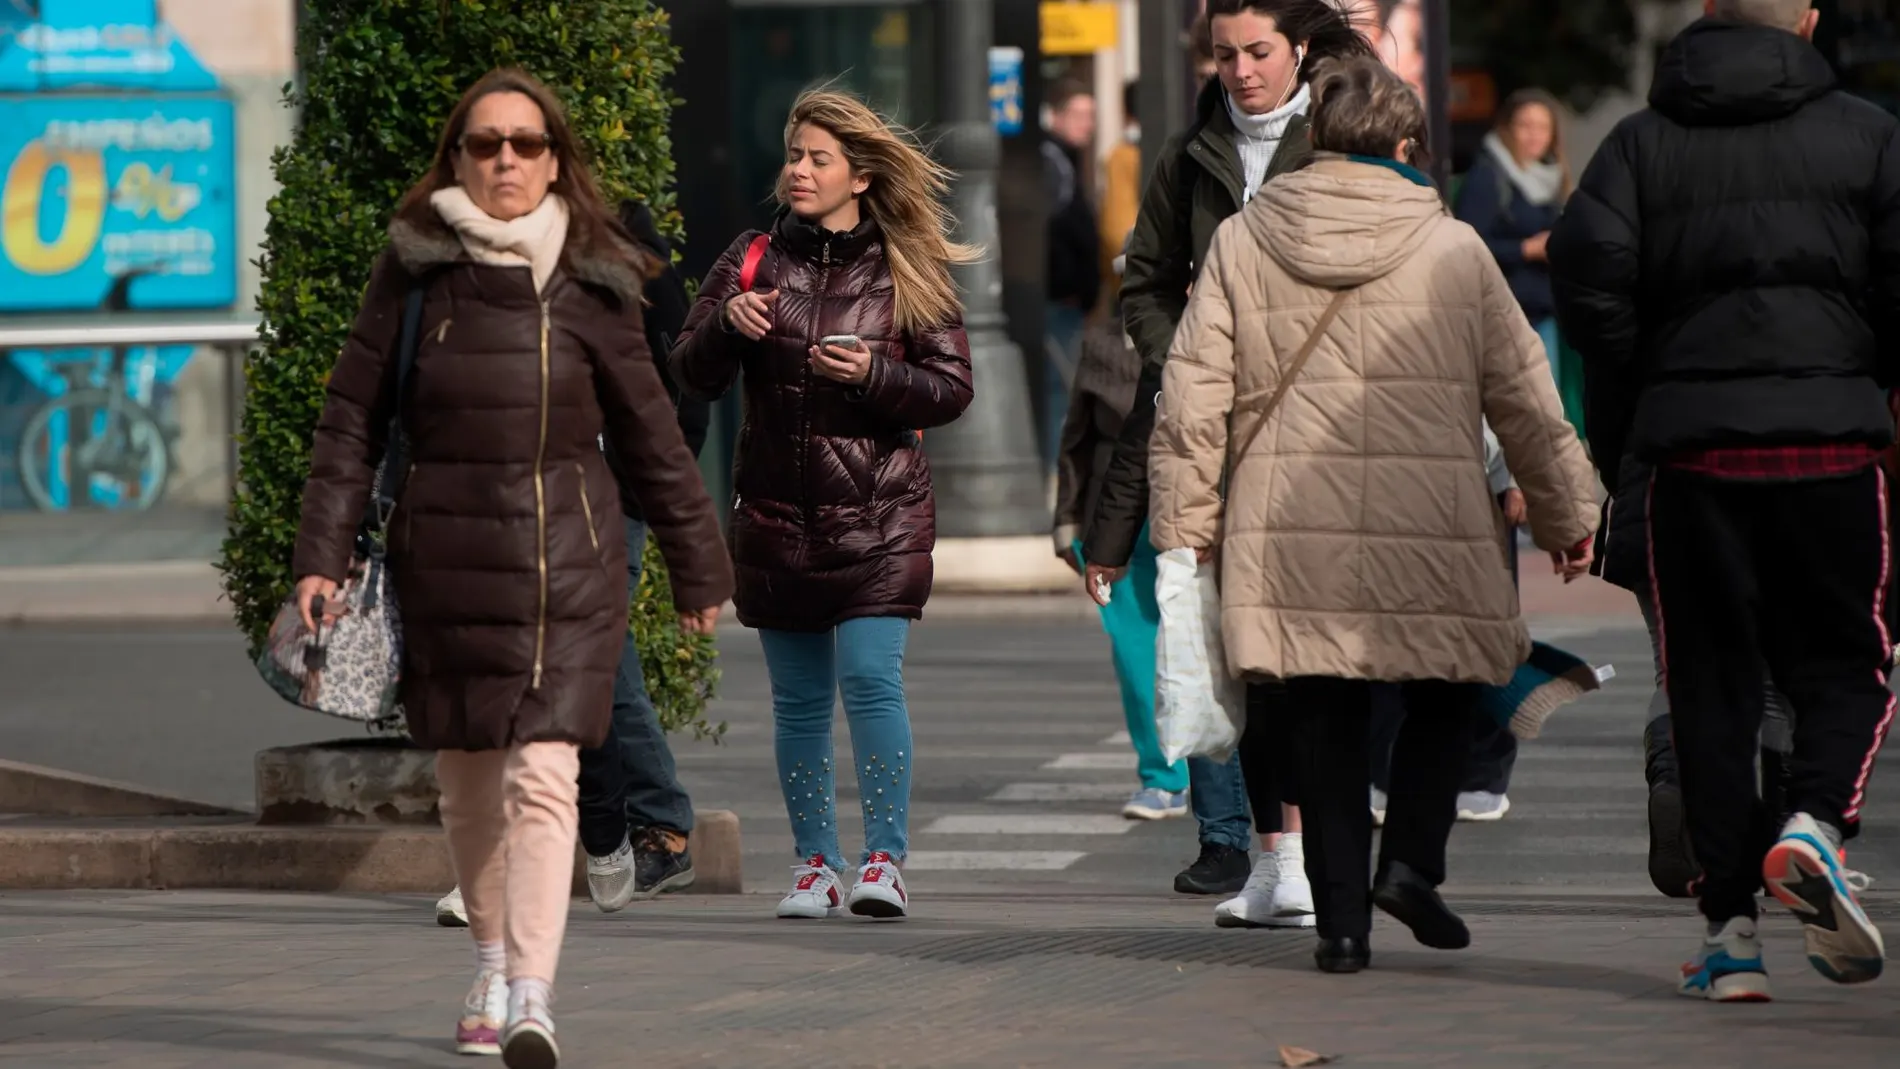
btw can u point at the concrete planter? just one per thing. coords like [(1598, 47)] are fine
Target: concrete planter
[(349, 781)]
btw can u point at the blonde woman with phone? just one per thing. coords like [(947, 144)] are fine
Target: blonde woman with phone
[(847, 326)]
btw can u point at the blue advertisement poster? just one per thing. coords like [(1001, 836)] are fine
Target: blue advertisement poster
[(92, 187)]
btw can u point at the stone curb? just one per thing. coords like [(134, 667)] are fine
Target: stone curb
[(250, 857)]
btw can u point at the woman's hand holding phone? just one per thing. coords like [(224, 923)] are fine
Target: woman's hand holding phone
[(842, 358)]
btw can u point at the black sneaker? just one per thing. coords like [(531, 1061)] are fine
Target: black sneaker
[(1220, 870), (661, 862), (1672, 863)]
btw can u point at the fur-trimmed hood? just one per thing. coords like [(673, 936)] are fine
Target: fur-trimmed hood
[(622, 269)]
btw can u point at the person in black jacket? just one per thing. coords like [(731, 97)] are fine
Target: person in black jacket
[(1729, 269), (634, 815), (1075, 271)]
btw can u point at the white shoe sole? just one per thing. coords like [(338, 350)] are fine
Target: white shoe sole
[(1142, 812), (792, 912), (1472, 816), (449, 918), (1296, 920), (878, 905)]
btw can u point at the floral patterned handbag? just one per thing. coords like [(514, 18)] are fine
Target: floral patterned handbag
[(351, 666)]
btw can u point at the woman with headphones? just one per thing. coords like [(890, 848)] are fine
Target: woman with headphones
[(1252, 127)]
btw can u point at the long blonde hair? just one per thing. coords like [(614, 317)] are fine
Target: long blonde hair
[(905, 200)]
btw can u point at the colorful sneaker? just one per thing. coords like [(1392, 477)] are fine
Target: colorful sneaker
[(661, 863), (1482, 806), (1378, 802), (1254, 904), (528, 1041), (1153, 803), (483, 1011), (1804, 872), (610, 879), (815, 893), (880, 891), (1728, 966), (449, 911)]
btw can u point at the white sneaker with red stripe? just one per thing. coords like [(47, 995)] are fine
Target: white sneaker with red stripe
[(815, 892), (880, 891)]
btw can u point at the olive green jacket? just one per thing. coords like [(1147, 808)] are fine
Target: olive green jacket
[(1196, 185)]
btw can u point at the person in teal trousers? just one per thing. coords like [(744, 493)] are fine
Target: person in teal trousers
[(1103, 392)]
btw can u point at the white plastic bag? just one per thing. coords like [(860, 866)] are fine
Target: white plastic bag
[(1199, 710)]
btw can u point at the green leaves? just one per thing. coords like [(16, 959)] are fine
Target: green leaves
[(379, 78)]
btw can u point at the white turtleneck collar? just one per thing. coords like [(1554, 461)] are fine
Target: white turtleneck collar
[(1260, 135)]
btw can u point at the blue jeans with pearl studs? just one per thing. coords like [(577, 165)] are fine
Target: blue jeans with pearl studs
[(862, 659)]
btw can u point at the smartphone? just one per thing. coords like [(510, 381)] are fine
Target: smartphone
[(842, 341)]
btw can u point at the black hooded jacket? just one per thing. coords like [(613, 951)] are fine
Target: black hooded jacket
[(663, 315), (1729, 267)]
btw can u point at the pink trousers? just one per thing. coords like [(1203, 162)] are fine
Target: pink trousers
[(511, 818)]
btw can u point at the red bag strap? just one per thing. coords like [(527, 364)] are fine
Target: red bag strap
[(754, 254)]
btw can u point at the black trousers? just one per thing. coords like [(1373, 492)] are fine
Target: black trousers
[(1263, 755), (1331, 721), (1488, 767), (1789, 579)]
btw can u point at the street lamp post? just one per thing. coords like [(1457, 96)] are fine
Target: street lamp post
[(988, 477)]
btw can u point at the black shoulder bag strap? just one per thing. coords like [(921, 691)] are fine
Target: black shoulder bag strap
[(395, 466)]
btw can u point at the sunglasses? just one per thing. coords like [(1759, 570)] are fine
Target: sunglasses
[(484, 145)]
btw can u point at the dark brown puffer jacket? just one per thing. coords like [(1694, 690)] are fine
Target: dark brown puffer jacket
[(833, 516), (506, 548)]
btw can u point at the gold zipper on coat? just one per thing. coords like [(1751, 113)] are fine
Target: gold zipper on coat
[(588, 508), (541, 512)]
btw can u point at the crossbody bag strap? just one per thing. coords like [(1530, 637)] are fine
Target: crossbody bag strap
[(395, 466), (1293, 369)]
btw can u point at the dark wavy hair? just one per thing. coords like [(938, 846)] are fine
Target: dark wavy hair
[(1325, 30), (590, 224)]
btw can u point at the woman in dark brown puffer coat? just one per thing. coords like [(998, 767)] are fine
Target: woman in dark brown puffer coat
[(506, 548), (833, 523)]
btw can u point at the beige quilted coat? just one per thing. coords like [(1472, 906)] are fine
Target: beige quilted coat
[(1360, 539)]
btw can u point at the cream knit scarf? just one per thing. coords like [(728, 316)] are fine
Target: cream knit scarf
[(534, 240)]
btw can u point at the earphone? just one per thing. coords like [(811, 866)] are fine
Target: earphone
[(1293, 80)]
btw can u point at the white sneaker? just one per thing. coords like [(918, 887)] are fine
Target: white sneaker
[(528, 1041), (880, 891), (1482, 806), (1254, 904), (1378, 808), (815, 893), (610, 879), (449, 911), (1293, 896)]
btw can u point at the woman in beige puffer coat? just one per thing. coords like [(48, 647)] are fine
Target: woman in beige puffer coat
[(1359, 540)]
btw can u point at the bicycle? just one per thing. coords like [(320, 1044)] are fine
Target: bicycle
[(111, 448)]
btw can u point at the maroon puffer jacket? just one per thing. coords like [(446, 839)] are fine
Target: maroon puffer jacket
[(833, 516)]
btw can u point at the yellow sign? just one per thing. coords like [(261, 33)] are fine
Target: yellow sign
[(1076, 29)]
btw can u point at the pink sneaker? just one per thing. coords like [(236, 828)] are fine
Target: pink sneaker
[(483, 1011), (880, 891)]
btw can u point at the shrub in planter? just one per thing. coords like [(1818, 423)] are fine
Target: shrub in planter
[(379, 77)]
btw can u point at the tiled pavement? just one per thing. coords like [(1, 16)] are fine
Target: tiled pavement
[(236, 981)]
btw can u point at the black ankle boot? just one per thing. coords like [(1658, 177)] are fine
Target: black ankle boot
[(1672, 864), (1343, 955), (1414, 902)]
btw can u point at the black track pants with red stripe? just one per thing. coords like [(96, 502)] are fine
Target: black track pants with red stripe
[(1787, 577)]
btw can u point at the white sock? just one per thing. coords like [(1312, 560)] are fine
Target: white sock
[(491, 957), (524, 990)]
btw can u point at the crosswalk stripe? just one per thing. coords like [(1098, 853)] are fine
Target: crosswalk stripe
[(978, 860), (1063, 792), (1120, 738), (1094, 762), (1030, 824)]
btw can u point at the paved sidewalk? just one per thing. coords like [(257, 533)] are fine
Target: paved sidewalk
[(1047, 979)]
